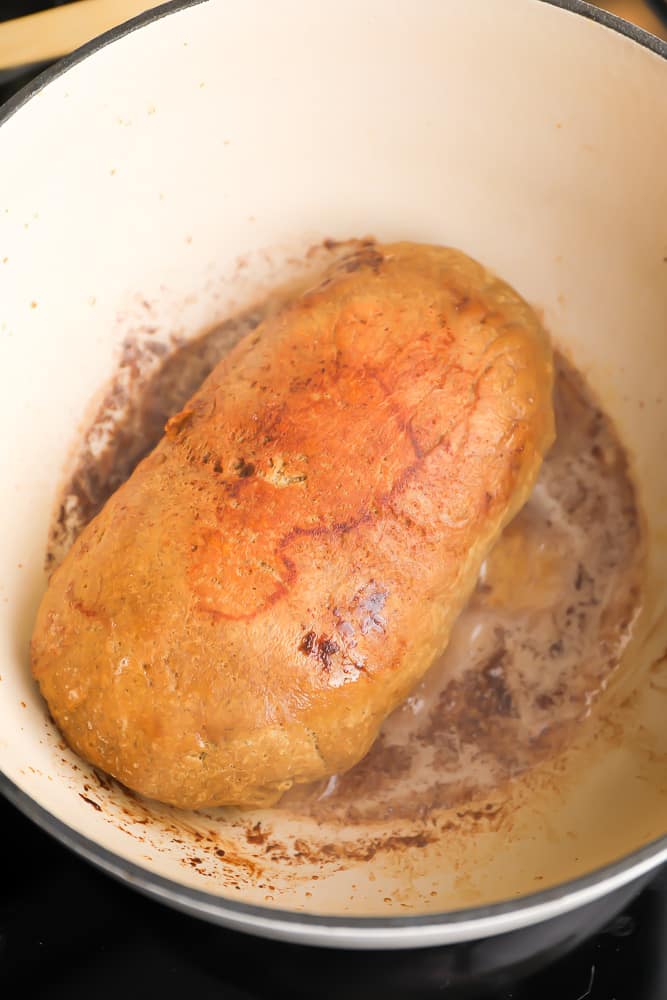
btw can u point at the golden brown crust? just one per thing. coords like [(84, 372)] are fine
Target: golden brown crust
[(278, 573)]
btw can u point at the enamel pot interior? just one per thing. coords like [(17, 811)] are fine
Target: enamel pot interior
[(168, 175)]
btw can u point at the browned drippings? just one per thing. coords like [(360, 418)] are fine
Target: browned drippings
[(153, 381), (538, 641)]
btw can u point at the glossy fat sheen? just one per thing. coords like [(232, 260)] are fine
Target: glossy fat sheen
[(281, 570)]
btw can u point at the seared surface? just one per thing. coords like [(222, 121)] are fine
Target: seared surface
[(280, 571)]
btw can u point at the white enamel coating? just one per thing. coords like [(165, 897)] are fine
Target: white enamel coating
[(132, 186)]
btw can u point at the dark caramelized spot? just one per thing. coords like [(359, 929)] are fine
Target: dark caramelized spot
[(368, 257), (307, 644), (244, 469), (96, 806), (325, 650), (321, 647)]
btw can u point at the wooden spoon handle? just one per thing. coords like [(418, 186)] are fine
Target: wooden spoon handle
[(637, 12), (53, 33)]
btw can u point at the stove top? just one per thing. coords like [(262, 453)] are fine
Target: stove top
[(67, 930)]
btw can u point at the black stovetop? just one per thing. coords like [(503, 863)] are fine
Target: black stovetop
[(67, 930)]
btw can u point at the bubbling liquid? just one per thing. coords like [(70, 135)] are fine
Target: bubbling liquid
[(542, 633)]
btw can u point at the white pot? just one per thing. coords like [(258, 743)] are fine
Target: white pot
[(144, 168)]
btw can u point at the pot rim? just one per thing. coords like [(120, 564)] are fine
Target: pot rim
[(407, 931), (52, 72), (429, 929)]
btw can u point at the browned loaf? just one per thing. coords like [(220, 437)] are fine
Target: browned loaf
[(278, 573)]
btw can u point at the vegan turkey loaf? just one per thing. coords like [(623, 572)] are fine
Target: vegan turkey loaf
[(277, 575)]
